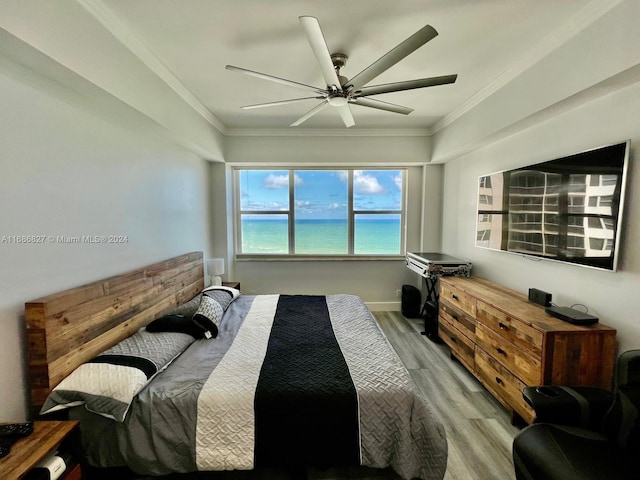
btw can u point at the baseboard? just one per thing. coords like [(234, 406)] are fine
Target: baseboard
[(384, 306)]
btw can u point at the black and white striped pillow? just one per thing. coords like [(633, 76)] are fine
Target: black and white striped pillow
[(108, 384), (214, 302)]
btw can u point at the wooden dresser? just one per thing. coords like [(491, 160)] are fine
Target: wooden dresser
[(508, 342)]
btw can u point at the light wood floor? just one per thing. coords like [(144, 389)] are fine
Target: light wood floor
[(479, 432)]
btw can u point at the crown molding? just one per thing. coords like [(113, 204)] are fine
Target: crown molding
[(111, 22), (581, 20), (326, 132)]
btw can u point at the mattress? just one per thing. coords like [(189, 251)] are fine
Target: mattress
[(290, 380)]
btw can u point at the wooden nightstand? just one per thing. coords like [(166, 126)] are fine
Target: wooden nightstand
[(27, 452), (235, 285)]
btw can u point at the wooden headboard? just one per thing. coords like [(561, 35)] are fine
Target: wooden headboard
[(71, 327)]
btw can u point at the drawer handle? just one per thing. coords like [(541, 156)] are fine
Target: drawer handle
[(453, 339), (503, 326), (455, 317), (501, 351), (454, 296), (499, 381)]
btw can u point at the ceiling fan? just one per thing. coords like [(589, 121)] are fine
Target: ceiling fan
[(340, 91)]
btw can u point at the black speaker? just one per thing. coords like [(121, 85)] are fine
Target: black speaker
[(431, 321), (410, 301)]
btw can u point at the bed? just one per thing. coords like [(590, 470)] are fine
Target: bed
[(273, 381)]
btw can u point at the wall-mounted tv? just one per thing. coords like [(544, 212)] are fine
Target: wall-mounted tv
[(568, 209)]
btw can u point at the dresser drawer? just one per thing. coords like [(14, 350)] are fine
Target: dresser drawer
[(513, 358), (460, 345), (512, 329), (458, 298), (502, 384), (459, 319)]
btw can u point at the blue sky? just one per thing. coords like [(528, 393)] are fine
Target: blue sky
[(321, 194)]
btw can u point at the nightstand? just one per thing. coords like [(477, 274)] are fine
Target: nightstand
[(27, 452), (235, 285)]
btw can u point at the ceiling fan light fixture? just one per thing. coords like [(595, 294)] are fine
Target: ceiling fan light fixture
[(339, 60)]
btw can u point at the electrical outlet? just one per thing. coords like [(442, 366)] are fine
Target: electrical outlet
[(398, 293)]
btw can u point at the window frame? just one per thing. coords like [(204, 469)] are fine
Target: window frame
[(290, 213)]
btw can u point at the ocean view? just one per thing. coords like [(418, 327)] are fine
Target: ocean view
[(372, 236)]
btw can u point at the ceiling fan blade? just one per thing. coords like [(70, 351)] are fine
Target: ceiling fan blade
[(408, 85), (271, 78), (320, 50), (345, 114), (380, 105), (310, 113), (281, 102), (392, 57)]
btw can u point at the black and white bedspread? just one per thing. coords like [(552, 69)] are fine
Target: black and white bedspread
[(289, 381)]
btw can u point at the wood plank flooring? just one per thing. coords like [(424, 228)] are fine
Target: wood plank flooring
[(478, 428)]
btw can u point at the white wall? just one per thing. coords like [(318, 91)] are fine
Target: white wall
[(600, 43), (613, 297), (375, 281), (65, 172), (67, 41)]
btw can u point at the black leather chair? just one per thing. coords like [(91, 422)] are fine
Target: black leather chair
[(583, 433)]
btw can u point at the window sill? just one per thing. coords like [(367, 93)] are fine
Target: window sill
[(317, 258)]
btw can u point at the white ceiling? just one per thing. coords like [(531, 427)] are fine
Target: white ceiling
[(486, 42)]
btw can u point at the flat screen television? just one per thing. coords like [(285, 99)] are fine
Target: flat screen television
[(568, 209)]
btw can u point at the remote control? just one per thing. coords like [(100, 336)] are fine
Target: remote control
[(16, 429), (10, 433)]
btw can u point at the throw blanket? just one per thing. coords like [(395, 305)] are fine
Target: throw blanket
[(290, 380), (306, 407)]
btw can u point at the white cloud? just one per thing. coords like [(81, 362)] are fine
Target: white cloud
[(277, 182), (398, 181), (366, 184)]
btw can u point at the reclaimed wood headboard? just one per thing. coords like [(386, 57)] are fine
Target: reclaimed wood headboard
[(71, 327)]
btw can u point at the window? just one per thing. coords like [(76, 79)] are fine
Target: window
[(320, 212), (483, 235), (485, 199), (485, 182)]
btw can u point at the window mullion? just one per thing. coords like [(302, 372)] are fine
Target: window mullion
[(237, 223), (292, 216), (350, 215)]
